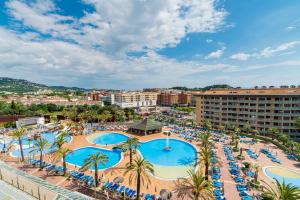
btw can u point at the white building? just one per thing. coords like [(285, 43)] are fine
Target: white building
[(134, 99)]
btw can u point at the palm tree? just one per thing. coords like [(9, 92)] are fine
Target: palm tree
[(207, 125), (205, 158), (255, 133), (256, 169), (284, 138), (274, 132), (138, 173), (297, 123), (93, 161), (281, 191), (18, 134), (40, 146), (196, 187), (60, 140), (62, 153), (247, 128), (130, 144)]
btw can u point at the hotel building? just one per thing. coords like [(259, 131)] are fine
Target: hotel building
[(262, 108), (170, 98), (134, 99)]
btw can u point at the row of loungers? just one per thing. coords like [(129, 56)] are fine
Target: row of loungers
[(235, 172), (216, 176), (270, 155), (121, 189), (51, 168), (252, 154)]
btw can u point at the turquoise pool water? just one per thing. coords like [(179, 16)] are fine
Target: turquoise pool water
[(28, 145), (110, 138), (181, 153), (285, 174), (78, 156)]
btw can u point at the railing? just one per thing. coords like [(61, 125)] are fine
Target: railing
[(35, 186)]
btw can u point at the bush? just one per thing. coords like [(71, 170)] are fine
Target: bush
[(235, 149)]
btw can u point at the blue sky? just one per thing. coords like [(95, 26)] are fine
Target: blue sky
[(132, 44)]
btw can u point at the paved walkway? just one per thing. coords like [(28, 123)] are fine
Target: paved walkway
[(8, 192)]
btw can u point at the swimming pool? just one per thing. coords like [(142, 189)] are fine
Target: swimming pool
[(110, 138), (169, 164), (282, 173), (78, 156), (181, 153), (28, 144)]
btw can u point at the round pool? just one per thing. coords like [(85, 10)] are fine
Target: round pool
[(181, 153), (28, 144), (110, 138), (78, 156), (282, 173)]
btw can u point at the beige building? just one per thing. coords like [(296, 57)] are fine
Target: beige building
[(262, 108), (134, 99)]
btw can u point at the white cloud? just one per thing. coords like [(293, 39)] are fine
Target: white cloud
[(269, 51), (216, 54), (209, 41), (240, 56), (58, 62), (124, 25)]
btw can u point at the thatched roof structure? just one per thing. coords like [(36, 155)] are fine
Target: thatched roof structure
[(146, 126)]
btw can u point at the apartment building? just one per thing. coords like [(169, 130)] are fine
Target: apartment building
[(262, 108), (170, 98), (134, 99)]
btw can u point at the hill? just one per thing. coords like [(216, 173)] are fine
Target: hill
[(23, 86), (202, 89)]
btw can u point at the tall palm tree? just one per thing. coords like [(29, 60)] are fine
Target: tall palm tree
[(207, 125), (18, 134), (93, 161), (196, 187), (255, 133), (297, 123), (281, 191), (248, 128), (60, 140), (256, 170), (130, 144), (138, 173), (205, 158), (62, 153), (41, 146)]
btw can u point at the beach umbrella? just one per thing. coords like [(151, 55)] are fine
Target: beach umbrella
[(119, 179), (165, 194)]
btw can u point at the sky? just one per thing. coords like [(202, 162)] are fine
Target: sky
[(135, 44)]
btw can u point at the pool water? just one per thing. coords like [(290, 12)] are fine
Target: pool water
[(181, 153), (110, 139), (281, 173), (28, 144), (78, 156)]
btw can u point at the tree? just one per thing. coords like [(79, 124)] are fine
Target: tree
[(60, 139), (130, 144), (207, 125), (248, 128), (93, 161), (62, 153), (274, 132), (40, 146), (297, 123), (138, 173), (281, 191), (205, 158), (196, 187), (284, 138), (18, 134)]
